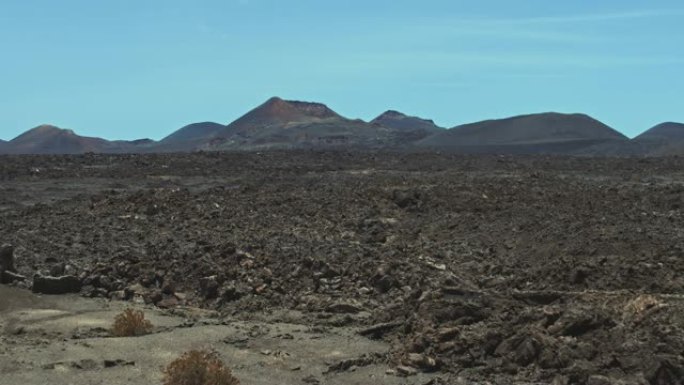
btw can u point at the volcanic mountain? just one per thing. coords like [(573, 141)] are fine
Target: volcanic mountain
[(663, 131), (400, 121), (411, 125), (281, 123), (47, 139), (194, 132), (663, 139), (536, 133), (189, 138)]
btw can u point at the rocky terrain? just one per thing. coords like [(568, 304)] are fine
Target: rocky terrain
[(469, 269)]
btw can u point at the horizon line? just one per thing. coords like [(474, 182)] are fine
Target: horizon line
[(75, 130)]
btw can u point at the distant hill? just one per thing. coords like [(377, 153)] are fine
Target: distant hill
[(663, 131), (47, 139), (194, 132), (398, 120), (188, 138), (663, 139), (536, 133), (289, 124), (416, 127), (279, 123), (277, 114), (138, 142)]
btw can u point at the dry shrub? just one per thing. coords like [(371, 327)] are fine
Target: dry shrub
[(642, 306), (199, 368), (131, 323)]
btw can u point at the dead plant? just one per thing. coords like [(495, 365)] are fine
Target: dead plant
[(131, 323), (199, 367)]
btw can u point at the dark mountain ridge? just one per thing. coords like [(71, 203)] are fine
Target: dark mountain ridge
[(401, 121), (549, 132), (48, 139), (279, 123), (287, 124), (194, 131), (662, 139)]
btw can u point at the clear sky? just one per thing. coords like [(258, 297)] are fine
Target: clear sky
[(126, 69)]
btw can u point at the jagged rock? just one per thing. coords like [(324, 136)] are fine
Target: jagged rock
[(666, 371), (561, 380), (153, 297), (604, 380), (523, 349), (421, 361), (230, 293), (119, 295), (404, 199), (168, 302), (56, 285), (7, 258), (382, 280), (576, 324), (57, 270), (135, 290), (105, 282), (7, 264), (115, 363), (344, 307), (406, 371), (10, 277), (378, 330), (209, 287)]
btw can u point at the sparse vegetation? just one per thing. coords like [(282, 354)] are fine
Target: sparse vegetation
[(199, 368), (641, 307), (131, 323)]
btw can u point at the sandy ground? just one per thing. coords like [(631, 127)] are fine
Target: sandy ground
[(64, 340)]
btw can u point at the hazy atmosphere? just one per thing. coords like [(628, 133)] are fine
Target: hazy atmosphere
[(131, 69)]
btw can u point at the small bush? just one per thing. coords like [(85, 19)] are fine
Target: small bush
[(642, 307), (199, 368), (131, 323)]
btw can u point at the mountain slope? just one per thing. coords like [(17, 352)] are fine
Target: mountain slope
[(279, 123), (193, 132), (188, 138), (47, 139), (663, 139), (536, 133), (278, 114), (663, 131), (400, 121), (414, 128)]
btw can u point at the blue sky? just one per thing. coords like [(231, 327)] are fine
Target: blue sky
[(141, 68)]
